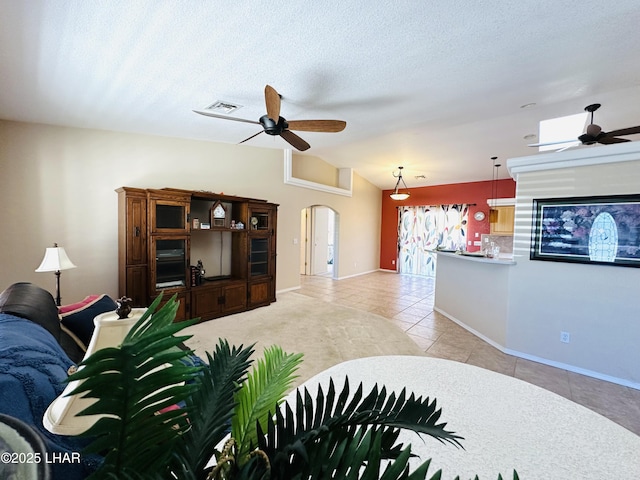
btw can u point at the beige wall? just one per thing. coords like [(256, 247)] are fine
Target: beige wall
[(599, 305), (57, 185), (314, 169)]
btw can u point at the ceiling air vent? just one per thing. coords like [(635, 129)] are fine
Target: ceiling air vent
[(223, 107)]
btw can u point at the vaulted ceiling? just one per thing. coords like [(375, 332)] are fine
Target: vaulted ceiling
[(434, 86)]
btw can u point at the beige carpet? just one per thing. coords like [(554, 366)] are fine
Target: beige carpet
[(327, 334)]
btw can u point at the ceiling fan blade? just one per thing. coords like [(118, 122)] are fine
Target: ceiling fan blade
[(272, 100), (567, 147), (249, 138), (294, 140), (609, 140), (623, 131), (573, 140), (224, 117), (317, 125)]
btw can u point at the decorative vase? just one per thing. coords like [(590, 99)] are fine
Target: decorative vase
[(124, 307)]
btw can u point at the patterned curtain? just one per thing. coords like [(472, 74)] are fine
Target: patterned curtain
[(422, 229)]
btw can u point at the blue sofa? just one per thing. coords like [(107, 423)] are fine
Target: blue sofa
[(34, 361)]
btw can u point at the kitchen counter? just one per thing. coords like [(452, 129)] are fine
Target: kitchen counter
[(501, 260), (473, 292)]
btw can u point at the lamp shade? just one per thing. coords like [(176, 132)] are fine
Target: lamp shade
[(61, 417), (399, 196), (55, 259)]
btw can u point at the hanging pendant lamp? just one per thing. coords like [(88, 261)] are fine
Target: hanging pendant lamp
[(493, 211), (396, 194)]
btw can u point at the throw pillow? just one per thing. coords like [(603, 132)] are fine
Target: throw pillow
[(80, 319), (78, 305)]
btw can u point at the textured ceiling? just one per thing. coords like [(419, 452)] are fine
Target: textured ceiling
[(434, 86)]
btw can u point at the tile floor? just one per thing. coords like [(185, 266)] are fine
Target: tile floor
[(407, 301)]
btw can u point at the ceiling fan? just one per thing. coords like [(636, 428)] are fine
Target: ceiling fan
[(594, 133), (273, 124)]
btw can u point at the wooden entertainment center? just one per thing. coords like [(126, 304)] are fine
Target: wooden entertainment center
[(164, 233)]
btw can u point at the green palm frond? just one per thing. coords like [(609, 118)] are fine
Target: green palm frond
[(360, 459), (131, 384), (324, 429), (265, 387), (353, 453), (347, 435), (211, 407)]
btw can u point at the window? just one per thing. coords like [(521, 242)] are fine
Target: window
[(561, 129), (422, 229)]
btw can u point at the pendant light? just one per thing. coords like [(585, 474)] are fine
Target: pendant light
[(493, 211), (397, 195)]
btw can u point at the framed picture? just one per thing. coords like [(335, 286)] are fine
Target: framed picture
[(601, 230)]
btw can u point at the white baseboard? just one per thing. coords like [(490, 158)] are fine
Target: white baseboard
[(285, 290), (544, 361), (290, 289), (356, 274)]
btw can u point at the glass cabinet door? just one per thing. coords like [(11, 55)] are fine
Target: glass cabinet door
[(169, 216), (170, 262), (259, 256), (259, 219)]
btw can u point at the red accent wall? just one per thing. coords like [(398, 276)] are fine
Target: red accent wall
[(473, 192)]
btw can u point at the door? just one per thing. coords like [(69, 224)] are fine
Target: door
[(259, 293), (169, 262), (235, 297), (136, 230), (318, 250), (423, 229), (259, 256), (169, 216), (504, 223), (320, 247), (206, 301)]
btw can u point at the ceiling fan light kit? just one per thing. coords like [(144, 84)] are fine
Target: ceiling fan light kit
[(273, 124), (397, 194), (594, 133)]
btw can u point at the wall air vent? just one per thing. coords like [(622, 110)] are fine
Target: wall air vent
[(223, 107)]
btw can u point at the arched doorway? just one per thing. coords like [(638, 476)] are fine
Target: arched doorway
[(319, 248)]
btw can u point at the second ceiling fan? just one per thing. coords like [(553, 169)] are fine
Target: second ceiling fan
[(594, 133), (273, 124)]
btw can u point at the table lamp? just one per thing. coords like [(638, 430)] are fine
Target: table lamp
[(61, 417), (55, 260)]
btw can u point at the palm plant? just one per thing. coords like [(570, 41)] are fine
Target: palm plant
[(230, 423)]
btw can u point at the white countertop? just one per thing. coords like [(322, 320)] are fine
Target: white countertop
[(501, 260)]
